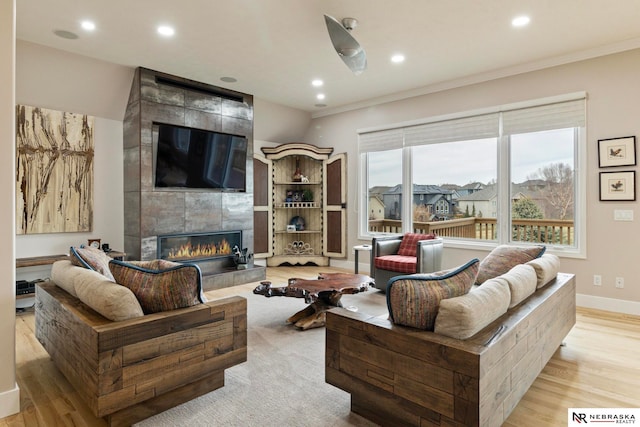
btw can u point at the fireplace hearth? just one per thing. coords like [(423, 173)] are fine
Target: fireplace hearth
[(198, 246)]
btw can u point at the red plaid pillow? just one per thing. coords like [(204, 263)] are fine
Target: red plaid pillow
[(410, 241)]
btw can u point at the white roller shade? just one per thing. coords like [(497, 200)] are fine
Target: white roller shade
[(559, 115), (459, 129), (383, 140)]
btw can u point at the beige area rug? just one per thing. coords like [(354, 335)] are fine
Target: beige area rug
[(282, 381)]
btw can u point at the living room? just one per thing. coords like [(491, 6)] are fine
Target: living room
[(64, 81)]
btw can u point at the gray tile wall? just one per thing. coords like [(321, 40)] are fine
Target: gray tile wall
[(150, 212)]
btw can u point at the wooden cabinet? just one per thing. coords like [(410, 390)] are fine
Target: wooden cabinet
[(299, 205)]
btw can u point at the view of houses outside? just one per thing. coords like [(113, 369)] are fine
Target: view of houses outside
[(454, 181)]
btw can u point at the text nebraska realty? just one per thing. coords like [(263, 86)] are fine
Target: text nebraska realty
[(604, 418)]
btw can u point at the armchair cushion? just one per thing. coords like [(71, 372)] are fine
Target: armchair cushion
[(414, 300), (399, 263), (504, 257), (91, 258), (160, 285), (409, 243)]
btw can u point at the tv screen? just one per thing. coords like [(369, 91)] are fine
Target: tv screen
[(195, 158)]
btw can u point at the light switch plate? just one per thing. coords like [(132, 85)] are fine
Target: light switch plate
[(623, 215)]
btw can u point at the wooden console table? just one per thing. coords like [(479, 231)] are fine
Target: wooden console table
[(50, 259), (39, 260)]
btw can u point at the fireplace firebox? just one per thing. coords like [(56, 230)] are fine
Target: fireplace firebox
[(198, 246)]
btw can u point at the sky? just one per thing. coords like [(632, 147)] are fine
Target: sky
[(470, 161)]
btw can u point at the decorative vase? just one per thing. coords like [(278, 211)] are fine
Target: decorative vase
[(297, 175)]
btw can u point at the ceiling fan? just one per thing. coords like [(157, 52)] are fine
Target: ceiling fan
[(349, 50)]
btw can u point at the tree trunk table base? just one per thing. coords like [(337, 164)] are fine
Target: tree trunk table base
[(321, 294)]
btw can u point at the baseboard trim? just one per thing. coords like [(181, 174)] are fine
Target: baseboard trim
[(10, 402), (608, 304)]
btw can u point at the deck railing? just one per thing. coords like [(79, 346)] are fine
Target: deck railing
[(558, 232)]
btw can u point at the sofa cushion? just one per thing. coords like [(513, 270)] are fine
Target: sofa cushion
[(409, 243), (414, 300), (111, 300), (522, 282), (63, 275), (504, 257), (160, 285), (464, 316), (546, 267), (91, 258), (399, 263)]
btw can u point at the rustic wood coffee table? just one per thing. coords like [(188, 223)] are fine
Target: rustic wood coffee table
[(321, 294)]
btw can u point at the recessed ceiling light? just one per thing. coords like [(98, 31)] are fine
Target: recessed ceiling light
[(88, 25), (65, 34), (320, 96), (166, 30), (397, 58), (317, 83), (229, 79), (520, 21)]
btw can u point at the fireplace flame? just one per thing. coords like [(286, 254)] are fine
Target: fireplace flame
[(188, 251)]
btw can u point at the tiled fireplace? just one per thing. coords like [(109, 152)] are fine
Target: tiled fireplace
[(198, 246), (159, 220)]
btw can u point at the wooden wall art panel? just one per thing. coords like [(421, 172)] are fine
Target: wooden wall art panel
[(54, 171)]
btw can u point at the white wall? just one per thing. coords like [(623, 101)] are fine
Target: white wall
[(9, 392), (61, 81), (611, 83)]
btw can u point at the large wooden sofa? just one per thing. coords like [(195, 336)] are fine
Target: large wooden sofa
[(404, 376), (129, 370)]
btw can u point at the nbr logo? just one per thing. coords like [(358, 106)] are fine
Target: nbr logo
[(580, 418)]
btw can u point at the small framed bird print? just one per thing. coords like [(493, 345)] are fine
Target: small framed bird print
[(617, 152), (618, 186)]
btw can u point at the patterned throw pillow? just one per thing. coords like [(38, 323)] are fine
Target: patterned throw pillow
[(414, 300), (409, 243), (160, 285), (91, 258), (504, 258)]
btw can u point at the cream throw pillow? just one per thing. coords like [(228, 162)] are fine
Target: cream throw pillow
[(546, 267), (63, 275), (522, 281), (464, 316), (111, 300)]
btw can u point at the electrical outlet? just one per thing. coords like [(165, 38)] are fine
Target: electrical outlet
[(619, 282), (597, 280)]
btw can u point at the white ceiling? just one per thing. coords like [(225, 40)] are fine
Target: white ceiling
[(276, 47)]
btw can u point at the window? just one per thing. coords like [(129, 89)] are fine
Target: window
[(503, 175), (384, 197)]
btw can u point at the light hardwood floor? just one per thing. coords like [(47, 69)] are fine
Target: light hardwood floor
[(599, 367)]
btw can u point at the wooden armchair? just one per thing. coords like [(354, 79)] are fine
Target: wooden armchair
[(399, 255)]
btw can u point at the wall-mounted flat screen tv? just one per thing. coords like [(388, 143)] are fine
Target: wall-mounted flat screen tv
[(195, 158)]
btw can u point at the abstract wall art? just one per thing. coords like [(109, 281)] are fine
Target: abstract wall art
[(54, 171)]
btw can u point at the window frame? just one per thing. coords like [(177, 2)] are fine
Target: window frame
[(503, 176)]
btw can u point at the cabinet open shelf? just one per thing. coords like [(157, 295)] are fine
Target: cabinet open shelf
[(298, 205), (299, 232), (298, 183)]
